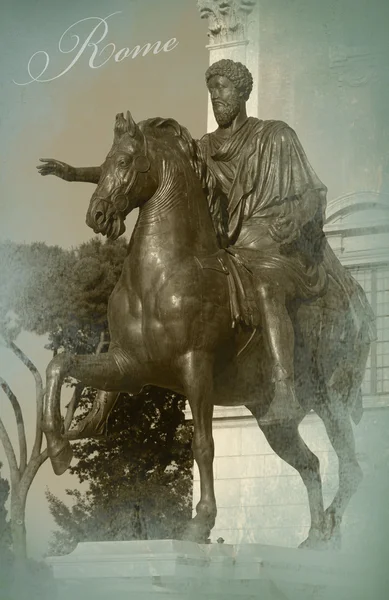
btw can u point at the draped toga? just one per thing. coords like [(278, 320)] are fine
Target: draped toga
[(262, 175), (263, 171)]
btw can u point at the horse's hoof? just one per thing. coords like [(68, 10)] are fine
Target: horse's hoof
[(308, 544), (197, 532), (91, 426), (314, 541), (319, 540), (61, 460), (84, 430), (332, 529)]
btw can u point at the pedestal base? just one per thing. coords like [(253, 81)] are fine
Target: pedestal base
[(179, 570)]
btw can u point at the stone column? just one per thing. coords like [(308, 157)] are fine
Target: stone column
[(233, 32)]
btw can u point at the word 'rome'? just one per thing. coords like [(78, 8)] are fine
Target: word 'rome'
[(99, 55)]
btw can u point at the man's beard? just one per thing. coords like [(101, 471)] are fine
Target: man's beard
[(225, 114)]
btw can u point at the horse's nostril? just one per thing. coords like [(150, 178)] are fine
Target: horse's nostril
[(99, 217)]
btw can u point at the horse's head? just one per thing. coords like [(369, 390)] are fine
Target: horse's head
[(126, 180)]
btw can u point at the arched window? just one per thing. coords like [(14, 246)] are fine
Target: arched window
[(357, 228)]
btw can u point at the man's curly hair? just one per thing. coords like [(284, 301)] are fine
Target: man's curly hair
[(236, 72)]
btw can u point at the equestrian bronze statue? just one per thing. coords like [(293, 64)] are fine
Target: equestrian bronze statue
[(229, 295)]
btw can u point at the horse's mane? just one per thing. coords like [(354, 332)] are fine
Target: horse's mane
[(161, 128), (217, 202)]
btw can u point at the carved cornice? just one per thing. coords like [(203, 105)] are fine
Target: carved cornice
[(227, 19), (356, 201)]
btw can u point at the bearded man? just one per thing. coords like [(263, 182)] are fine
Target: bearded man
[(276, 209), (268, 206)]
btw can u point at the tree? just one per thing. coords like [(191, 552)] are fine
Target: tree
[(64, 293), (5, 530), (26, 270), (20, 581), (140, 476)]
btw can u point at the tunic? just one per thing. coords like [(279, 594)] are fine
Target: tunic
[(259, 175), (263, 171)]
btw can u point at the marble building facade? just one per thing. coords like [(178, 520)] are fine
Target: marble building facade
[(320, 67)]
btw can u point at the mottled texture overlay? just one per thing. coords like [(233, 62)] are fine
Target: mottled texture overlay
[(321, 68)]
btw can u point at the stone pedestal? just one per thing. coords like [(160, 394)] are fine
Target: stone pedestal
[(182, 570)]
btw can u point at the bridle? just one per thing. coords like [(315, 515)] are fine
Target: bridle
[(119, 200)]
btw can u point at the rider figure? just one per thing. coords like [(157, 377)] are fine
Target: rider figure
[(276, 208)]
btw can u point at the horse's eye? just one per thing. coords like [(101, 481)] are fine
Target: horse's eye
[(122, 163)]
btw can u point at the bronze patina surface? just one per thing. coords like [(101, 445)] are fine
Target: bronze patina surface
[(230, 293)]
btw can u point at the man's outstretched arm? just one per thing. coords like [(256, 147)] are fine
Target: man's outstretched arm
[(60, 169)]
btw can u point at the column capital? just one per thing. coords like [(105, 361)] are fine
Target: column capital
[(227, 19)]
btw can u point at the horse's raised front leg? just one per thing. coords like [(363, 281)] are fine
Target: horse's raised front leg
[(99, 371), (95, 422), (286, 441), (198, 385)]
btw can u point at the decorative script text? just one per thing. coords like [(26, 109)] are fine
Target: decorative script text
[(91, 45)]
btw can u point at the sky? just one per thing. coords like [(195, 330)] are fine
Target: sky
[(71, 118)]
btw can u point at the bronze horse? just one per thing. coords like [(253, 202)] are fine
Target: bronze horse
[(171, 326)]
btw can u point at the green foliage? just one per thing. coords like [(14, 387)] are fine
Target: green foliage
[(140, 476), (47, 289), (34, 279), (94, 273)]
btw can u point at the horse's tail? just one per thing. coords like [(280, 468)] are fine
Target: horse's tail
[(343, 349), (356, 410), (365, 338), (358, 359)]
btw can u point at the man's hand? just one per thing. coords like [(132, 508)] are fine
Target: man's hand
[(57, 168)]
